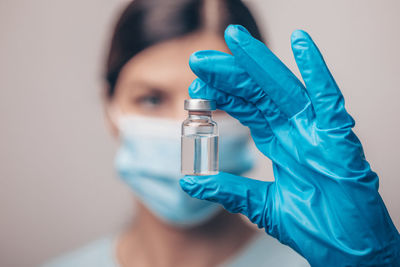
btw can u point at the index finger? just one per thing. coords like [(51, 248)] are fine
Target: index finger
[(267, 70)]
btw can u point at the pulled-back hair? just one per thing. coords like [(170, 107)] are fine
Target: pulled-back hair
[(144, 23)]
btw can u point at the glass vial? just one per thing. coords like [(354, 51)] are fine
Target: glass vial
[(199, 139)]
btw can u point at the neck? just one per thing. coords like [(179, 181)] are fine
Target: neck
[(151, 242)]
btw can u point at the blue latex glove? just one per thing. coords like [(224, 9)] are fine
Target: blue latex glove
[(324, 202)]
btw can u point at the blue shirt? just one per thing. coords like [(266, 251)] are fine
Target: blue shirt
[(263, 250)]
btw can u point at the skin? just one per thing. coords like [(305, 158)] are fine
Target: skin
[(154, 83)]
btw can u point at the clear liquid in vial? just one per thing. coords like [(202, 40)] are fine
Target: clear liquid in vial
[(199, 154)]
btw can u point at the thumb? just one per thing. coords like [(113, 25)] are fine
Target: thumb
[(235, 193)]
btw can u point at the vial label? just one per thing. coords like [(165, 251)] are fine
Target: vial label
[(199, 154)]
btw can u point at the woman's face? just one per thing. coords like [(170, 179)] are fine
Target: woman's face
[(155, 81)]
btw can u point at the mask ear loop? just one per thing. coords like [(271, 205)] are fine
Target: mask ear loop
[(114, 113)]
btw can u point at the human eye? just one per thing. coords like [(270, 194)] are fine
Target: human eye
[(150, 100)]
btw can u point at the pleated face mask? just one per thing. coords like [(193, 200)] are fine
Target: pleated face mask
[(148, 160)]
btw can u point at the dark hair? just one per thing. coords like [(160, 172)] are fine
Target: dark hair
[(144, 23)]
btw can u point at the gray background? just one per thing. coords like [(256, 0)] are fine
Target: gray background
[(57, 185)]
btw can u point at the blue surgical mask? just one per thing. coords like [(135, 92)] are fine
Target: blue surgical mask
[(149, 162)]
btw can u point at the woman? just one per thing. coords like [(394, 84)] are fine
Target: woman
[(147, 77)]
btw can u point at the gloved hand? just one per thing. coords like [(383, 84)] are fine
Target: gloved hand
[(324, 202)]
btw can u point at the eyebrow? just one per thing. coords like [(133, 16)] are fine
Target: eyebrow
[(145, 85)]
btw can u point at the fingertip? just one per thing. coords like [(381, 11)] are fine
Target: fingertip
[(196, 89), (232, 28), (195, 60), (299, 38), (201, 62), (236, 33), (198, 56), (185, 183), (182, 183), (299, 33), (188, 179), (300, 42)]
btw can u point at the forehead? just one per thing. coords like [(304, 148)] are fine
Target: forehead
[(169, 60)]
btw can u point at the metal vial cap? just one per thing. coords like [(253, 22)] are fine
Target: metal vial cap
[(199, 105)]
